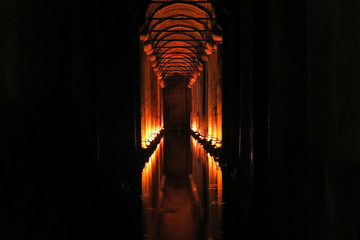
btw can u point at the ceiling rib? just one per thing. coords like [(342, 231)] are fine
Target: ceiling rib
[(178, 36)]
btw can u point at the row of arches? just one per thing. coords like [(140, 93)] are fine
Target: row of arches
[(181, 39)]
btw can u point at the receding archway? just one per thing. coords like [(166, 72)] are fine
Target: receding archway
[(182, 38)]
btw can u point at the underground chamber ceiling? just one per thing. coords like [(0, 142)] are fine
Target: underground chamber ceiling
[(178, 37)]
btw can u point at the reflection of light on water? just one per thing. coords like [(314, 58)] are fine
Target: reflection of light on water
[(215, 181), (215, 199), (208, 190), (150, 136), (151, 174), (206, 183), (205, 164), (151, 180), (147, 178)]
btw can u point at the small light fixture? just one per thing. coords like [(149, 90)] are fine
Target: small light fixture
[(218, 143)]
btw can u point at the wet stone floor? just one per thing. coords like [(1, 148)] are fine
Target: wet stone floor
[(181, 192)]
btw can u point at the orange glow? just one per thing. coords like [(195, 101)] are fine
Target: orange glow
[(209, 46), (150, 175), (151, 51), (147, 47), (152, 58), (215, 178), (176, 40), (203, 164), (218, 143), (215, 182), (206, 113), (216, 37), (144, 37), (207, 51), (152, 83), (193, 126)]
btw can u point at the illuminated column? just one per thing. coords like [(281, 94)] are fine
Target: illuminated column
[(162, 107), (214, 93), (194, 99), (147, 97), (195, 103), (153, 102), (198, 100), (202, 93), (209, 97), (192, 108), (219, 93), (158, 115), (212, 98), (151, 97), (144, 71)]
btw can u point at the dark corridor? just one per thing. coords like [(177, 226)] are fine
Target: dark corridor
[(267, 128)]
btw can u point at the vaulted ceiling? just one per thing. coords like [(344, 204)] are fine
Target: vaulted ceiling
[(178, 36)]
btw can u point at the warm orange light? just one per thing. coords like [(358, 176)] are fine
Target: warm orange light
[(144, 37), (205, 58), (217, 37), (207, 51), (150, 52), (205, 165), (149, 172), (209, 46), (147, 47), (151, 102), (152, 58), (215, 181), (175, 54)]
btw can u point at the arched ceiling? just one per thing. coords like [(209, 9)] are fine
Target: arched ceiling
[(178, 36)]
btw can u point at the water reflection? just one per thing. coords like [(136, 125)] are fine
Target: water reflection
[(152, 190), (182, 209), (206, 182)]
